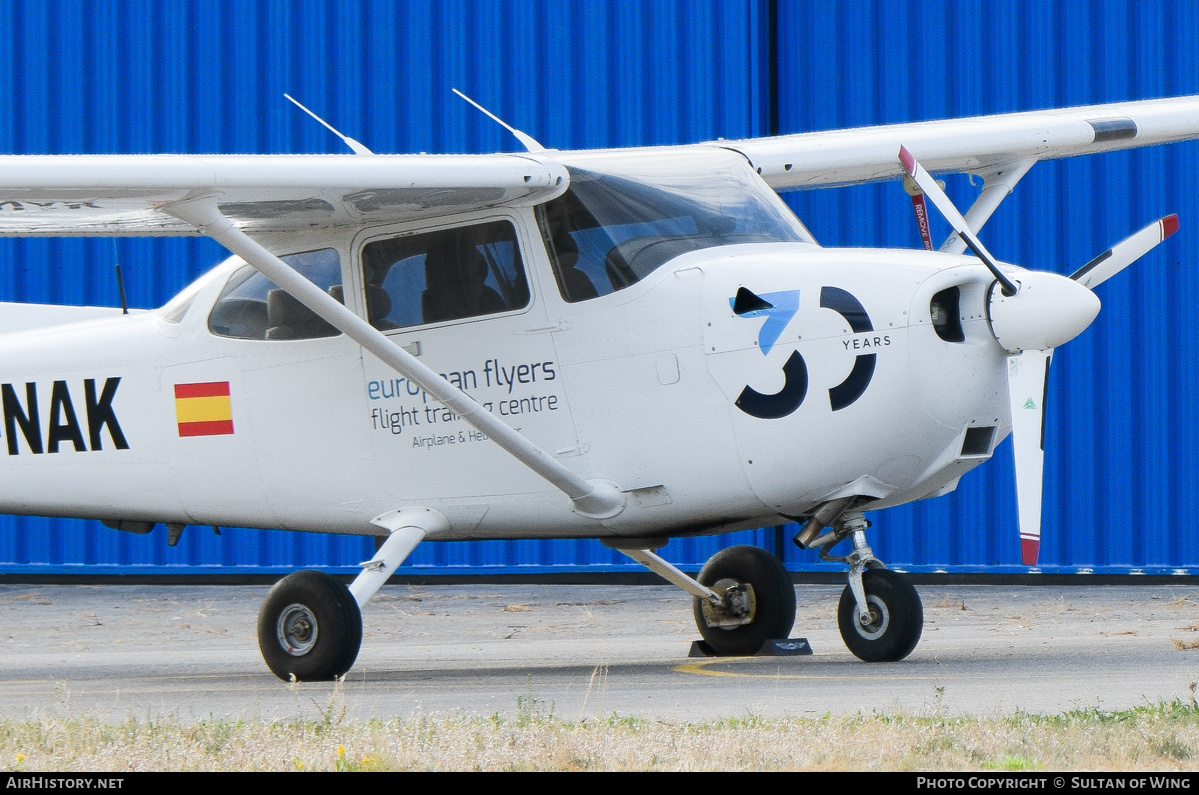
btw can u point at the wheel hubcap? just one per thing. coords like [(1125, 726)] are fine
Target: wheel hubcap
[(296, 629), (880, 619)]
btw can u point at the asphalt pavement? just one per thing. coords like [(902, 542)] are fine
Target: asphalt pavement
[(589, 650)]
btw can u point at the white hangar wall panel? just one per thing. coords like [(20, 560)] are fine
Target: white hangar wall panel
[(209, 76)]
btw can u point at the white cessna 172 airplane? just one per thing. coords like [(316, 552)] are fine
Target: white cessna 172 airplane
[(629, 345)]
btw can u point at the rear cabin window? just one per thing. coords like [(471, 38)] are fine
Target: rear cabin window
[(450, 274), (252, 307)]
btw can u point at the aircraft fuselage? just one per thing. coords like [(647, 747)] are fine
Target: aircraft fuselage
[(710, 419)]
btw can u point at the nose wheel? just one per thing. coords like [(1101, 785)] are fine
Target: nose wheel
[(880, 614), (893, 622)]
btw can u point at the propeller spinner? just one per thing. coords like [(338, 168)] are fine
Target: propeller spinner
[(1031, 314)]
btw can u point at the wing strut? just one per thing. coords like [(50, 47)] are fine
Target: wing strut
[(998, 182), (596, 499)]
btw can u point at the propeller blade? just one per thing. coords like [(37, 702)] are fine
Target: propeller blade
[(955, 219), (1124, 253), (920, 207), (1027, 379)]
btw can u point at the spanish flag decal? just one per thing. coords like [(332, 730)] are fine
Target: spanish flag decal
[(203, 409)]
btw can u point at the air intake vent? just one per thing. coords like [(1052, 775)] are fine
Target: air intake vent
[(945, 309), (978, 441)]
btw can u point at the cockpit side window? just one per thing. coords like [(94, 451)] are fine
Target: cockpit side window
[(450, 274), (252, 307)]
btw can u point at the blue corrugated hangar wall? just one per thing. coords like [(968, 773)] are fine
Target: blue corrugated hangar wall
[(209, 76)]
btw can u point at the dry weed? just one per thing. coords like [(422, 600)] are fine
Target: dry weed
[(1154, 737), (946, 603)]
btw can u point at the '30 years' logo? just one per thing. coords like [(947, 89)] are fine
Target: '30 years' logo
[(778, 309)]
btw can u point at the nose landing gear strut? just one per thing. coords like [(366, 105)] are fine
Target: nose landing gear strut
[(880, 614)]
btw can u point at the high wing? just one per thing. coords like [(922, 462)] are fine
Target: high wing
[(123, 195), (981, 145)]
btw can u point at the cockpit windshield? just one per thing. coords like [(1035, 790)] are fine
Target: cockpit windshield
[(612, 228)]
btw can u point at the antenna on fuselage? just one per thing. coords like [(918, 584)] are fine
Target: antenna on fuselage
[(116, 259), (354, 145), (529, 142)]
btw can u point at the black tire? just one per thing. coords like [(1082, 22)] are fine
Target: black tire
[(309, 627), (774, 595), (897, 618)]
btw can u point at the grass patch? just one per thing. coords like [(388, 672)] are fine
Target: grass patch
[(1013, 763), (1163, 736)]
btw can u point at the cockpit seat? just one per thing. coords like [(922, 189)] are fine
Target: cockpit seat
[(288, 319)]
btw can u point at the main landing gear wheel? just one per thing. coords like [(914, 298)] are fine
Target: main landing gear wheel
[(896, 618), (761, 596), (309, 627)]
